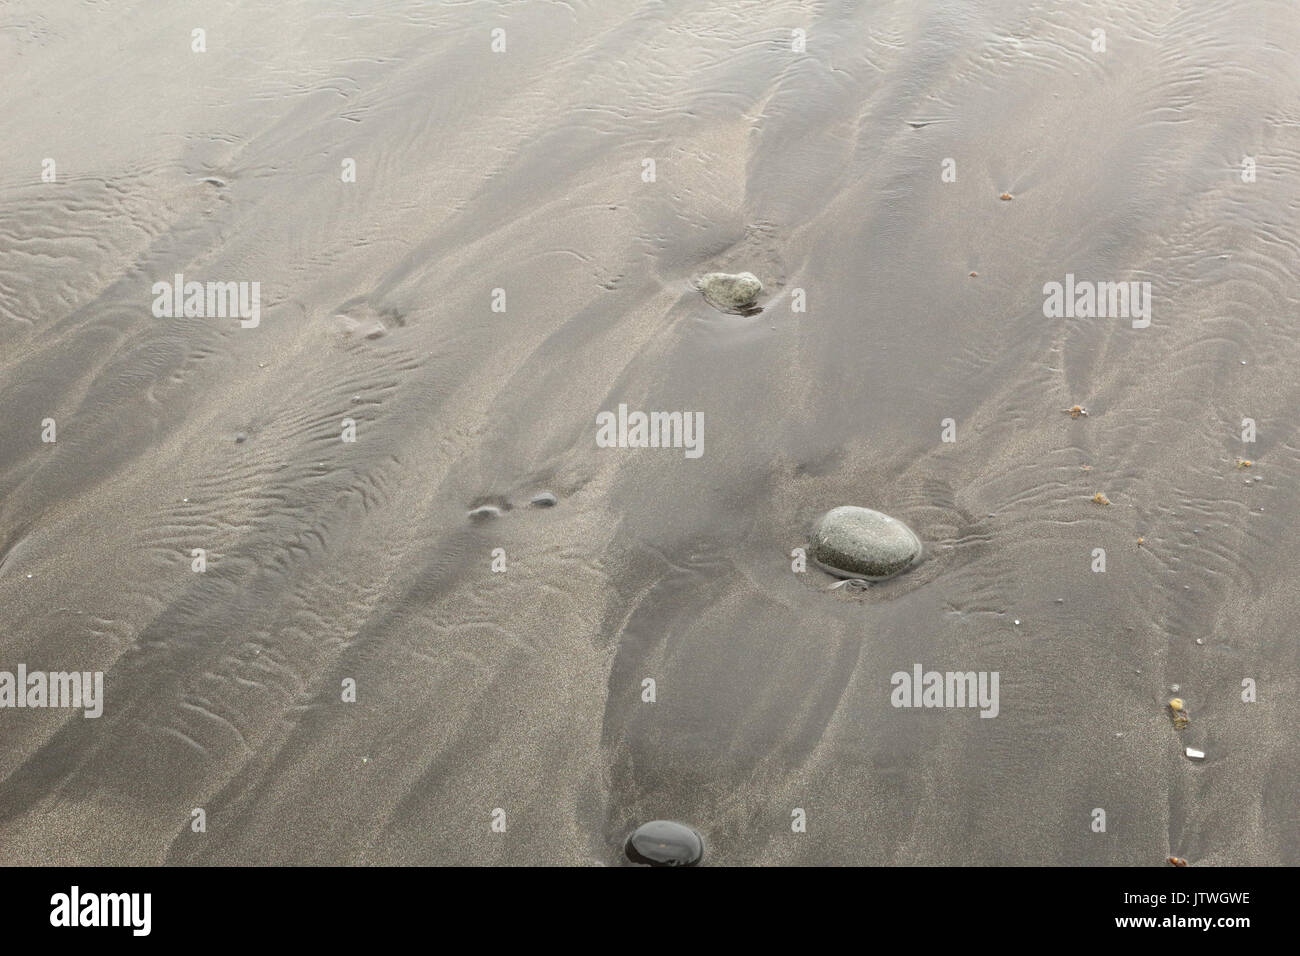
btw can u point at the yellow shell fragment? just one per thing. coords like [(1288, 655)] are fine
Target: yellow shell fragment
[(1100, 499), (1179, 711)]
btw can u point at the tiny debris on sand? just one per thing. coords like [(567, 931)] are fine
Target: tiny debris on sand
[(1178, 710)]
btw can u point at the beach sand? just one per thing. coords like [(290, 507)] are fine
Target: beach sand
[(521, 691)]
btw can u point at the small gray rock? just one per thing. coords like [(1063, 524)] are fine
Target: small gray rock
[(484, 512), (852, 542), (544, 500), (665, 843), (240, 438), (730, 293)]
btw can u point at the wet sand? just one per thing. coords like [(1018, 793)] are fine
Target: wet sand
[(521, 690)]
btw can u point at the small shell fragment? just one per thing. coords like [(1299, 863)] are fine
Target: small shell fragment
[(1244, 463), (1195, 754), (1006, 197), (1100, 499), (1178, 710), (851, 584), (1177, 861)]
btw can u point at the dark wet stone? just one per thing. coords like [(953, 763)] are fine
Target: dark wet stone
[(240, 438), (731, 293), (484, 512), (665, 843), (544, 500), (852, 542)]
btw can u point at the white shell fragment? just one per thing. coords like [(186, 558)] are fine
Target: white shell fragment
[(1194, 753)]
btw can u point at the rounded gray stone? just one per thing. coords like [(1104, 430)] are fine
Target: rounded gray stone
[(665, 843), (852, 542), (731, 293)]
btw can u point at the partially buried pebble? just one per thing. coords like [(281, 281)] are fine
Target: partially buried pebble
[(730, 293), (544, 500), (852, 542), (484, 512), (665, 843)]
